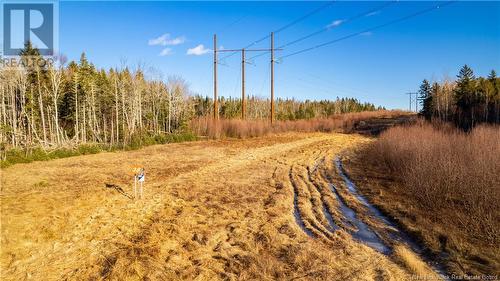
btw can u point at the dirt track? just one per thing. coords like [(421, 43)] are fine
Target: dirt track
[(213, 209)]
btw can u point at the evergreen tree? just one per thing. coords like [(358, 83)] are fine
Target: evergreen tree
[(465, 98), (492, 76), (494, 98), (467, 101), (425, 95), (67, 104), (494, 81)]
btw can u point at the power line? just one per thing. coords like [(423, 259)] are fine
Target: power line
[(229, 26), (421, 12), (216, 62), (238, 20), (303, 17), (237, 83), (411, 100), (329, 27), (328, 87), (264, 81), (287, 25)]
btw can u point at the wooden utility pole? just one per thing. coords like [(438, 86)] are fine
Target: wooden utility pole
[(243, 105), (243, 62), (272, 77), (216, 106)]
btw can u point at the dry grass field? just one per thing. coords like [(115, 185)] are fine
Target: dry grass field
[(215, 209)]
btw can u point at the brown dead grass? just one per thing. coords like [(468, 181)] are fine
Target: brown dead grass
[(238, 128), (442, 186), (413, 263), (212, 210)]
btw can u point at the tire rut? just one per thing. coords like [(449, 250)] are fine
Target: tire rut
[(322, 220), (310, 221), (339, 215), (332, 226)]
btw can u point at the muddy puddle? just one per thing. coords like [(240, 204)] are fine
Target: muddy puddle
[(394, 233), (363, 232), (353, 190)]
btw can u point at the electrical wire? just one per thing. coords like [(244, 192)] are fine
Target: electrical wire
[(421, 12), (328, 27), (264, 81), (286, 26)]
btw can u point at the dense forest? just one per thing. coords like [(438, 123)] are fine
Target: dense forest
[(55, 105), (467, 101)]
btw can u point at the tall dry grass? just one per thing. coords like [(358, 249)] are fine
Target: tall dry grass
[(452, 176), (238, 128)]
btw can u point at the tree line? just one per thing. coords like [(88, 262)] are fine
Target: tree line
[(468, 101), (53, 105), (286, 109)]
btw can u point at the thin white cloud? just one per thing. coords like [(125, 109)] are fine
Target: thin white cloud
[(164, 40), (368, 33), (166, 52), (335, 23), (176, 41), (198, 50), (159, 41), (373, 13)]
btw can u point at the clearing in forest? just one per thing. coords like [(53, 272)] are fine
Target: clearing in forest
[(273, 207)]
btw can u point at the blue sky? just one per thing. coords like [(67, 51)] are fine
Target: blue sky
[(377, 66)]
